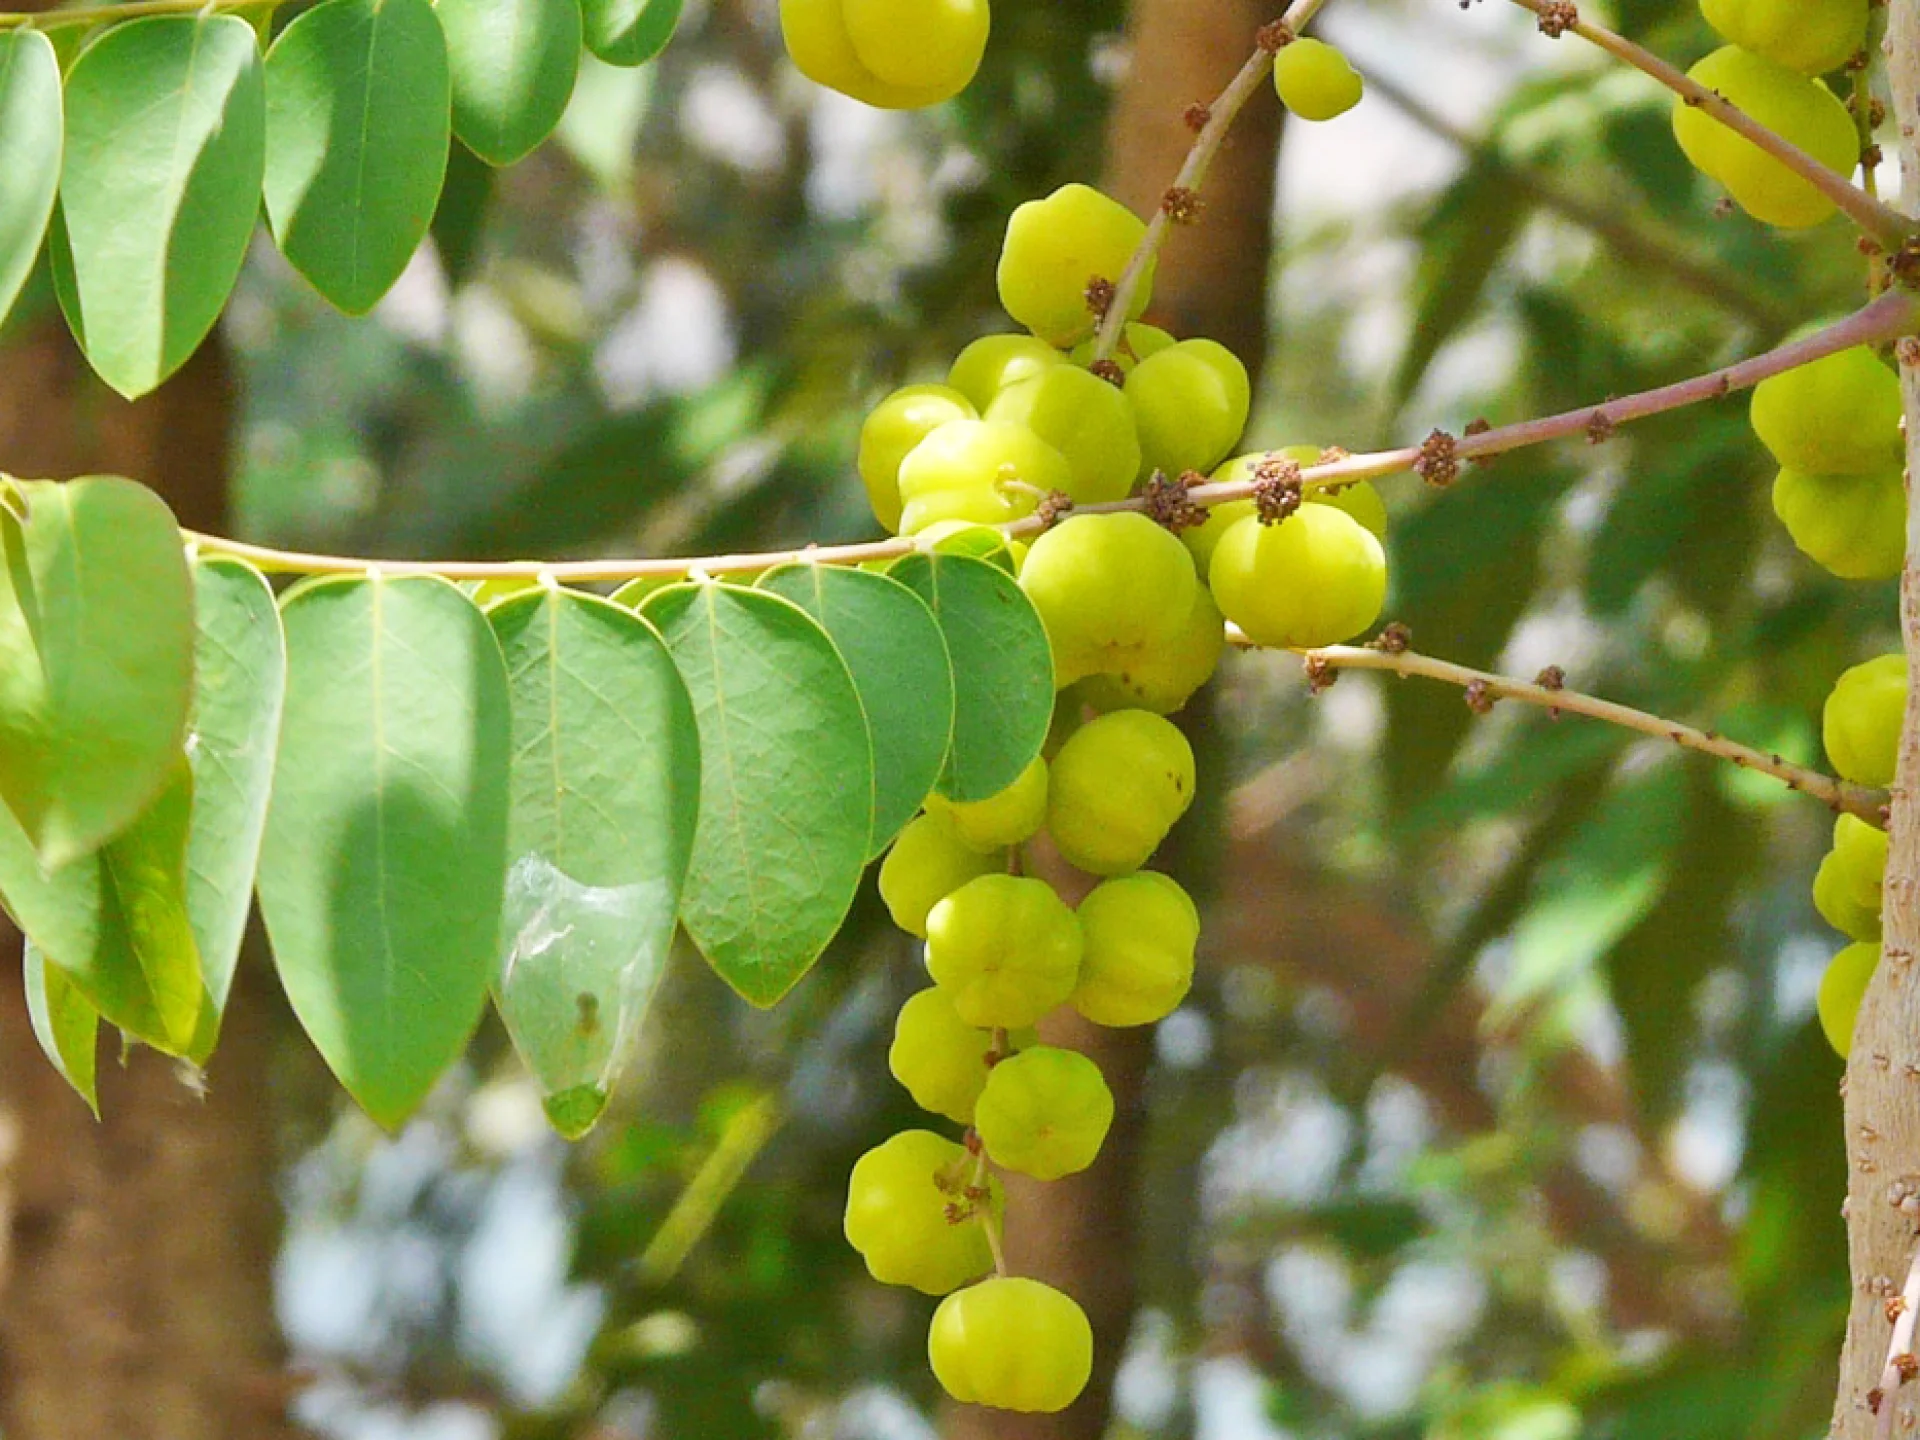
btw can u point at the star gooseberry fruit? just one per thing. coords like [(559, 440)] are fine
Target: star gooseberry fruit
[(1005, 949), (898, 1200), (1316, 578), (1846, 889), (1842, 988), (1838, 415), (1315, 81), (927, 863), (1357, 498), (1116, 788), (892, 429), (993, 824), (1044, 1112), (1854, 526), (893, 54), (1136, 964), (1011, 1343), (1811, 36), (1860, 722), (1054, 248), (1108, 587), (957, 473)]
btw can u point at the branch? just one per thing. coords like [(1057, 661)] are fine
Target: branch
[(1882, 222), (1484, 687)]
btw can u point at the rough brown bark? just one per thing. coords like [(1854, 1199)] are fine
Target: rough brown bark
[(1079, 1233), (137, 1300), (1882, 1134)]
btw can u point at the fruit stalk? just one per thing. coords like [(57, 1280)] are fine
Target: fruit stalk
[(1485, 687), (1882, 1129), (1876, 219)]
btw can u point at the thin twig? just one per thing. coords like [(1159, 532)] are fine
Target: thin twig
[(1900, 1357), (1193, 173), (1875, 218), (1486, 687)]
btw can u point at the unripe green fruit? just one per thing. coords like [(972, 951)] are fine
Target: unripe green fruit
[(909, 1216), (1842, 989), (993, 362), (1861, 720), (830, 49), (1788, 103), (1044, 1112), (1009, 818), (927, 863), (940, 1058), (892, 429), (1138, 340), (1837, 416), (1117, 787), (1163, 677), (1191, 402), (1136, 964), (960, 472), (1086, 419), (1011, 1343), (1811, 36), (1316, 578), (1005, 949), (1108, 587), (1854, 526), (1315, 81), (1358, 499), (1054, 248), (1846, 890)]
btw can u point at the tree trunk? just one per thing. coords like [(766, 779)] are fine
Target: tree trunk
[(136, 1294), (1079, 1233), (1877, 1394)]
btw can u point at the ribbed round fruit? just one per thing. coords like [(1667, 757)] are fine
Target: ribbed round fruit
[(892, 429), (1011, 1343), (1861, 720), (893, 54), (1842, 989), (1163, 677), (1191, 402), (1005, 949), (1854, 526), (1811, 36), (962, 470), (1087, 420), (1839, 415), (927, 863), (1054, 248), (1316, 578), (1116, 789), (1136, 962), (1108, 587), (909, 1216), (1044, 1112), (993, 362), (1846, 890), (1009, 818), (1316, 81), (940, 1058)]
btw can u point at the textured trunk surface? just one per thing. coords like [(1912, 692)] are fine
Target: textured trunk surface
[(1883, 1074), (136, 1275)]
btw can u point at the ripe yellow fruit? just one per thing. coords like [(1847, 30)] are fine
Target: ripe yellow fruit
[(961, 472), (1803, 111), (1315, 81), (1860, 722), (1011, 1343), (1842, 989), (1359, 499), (1811, 36), (1005, 949), (1136, 964), (892, 429), (1044, 1112), (1109, 588), (893, 54), (1083, 417), (940, 1058), (1117, 787), (1852, 525), (993, 362), (1054, 248), (1839, 415), (1163, 677), (1316, 578), (927, 863), (1191, 401), (897, 1216), (1846, 891), (1009, 818)]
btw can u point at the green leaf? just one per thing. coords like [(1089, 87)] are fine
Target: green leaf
[(629, 32), (30, 143), (358, 99), (240, 676), (1002, 669), (96, 660), (116, 921), (605, 799), (460, 219), (513, 63), (66, 1025), (384, 864), (786, 782), (898, 660), (166, 146)]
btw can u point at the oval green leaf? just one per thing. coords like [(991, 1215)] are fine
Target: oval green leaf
[(116, 921), (786, 782), (513, 64), (605, 798), (358, 98), (384, 862), (240, 677), (66, 1025), (898, 660), (1002, 669), (629, 32), (96, 660), (166, 146), (31, 130)]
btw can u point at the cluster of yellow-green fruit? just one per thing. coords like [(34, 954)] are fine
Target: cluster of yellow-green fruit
[(1134, 618), (895, 54), (1771, 71), (1861, 727)]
